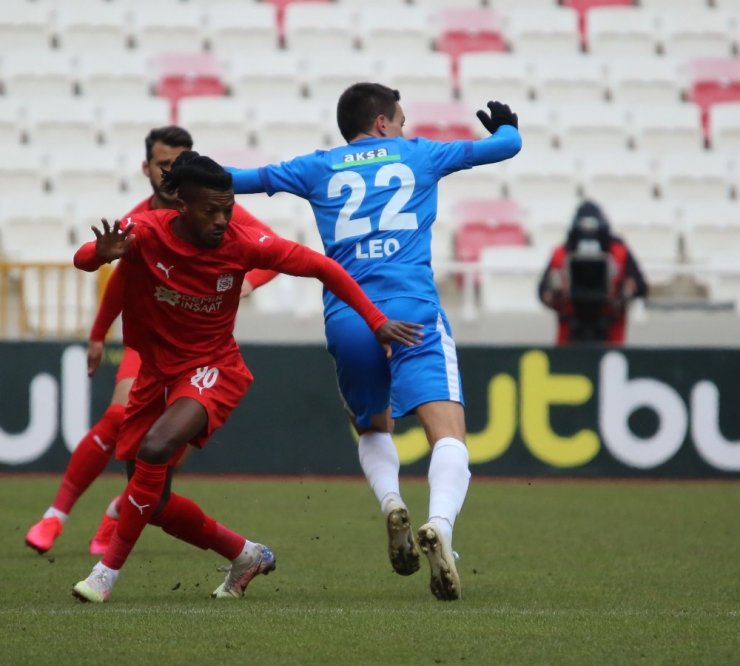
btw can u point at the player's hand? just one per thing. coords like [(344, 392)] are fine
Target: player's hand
[(398, 331), (499, 114), (113, 242), (94, 356)]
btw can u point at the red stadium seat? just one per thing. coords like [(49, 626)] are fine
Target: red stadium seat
[(468, 30), (482, 223), (582, 7), (439, 121), (712, 81), (187, 74)]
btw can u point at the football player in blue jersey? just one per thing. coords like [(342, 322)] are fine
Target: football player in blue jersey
[(375, 200)]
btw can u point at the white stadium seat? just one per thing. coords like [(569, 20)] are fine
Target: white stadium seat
[(724, 123), (702, 177), (237, 29), (546, 176), (710, 229), (159, 28), (126, 122), (313, 27), (65, 122), (290, 127), (544, 32), (12, 112), (419, 76), (621, 32), (117, 75), (384, 28), (644, 80), (695, 33), (215, 121), (508, 75), (25, 25), (618, 176), (669, 128), (650, 228), (100, 28), (327, 76), (509, 278), (581, 127), (22, 171), (37, 73), (567, 78), (266, 75), (76, 172)]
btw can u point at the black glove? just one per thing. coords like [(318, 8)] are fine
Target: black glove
[(501, 114)]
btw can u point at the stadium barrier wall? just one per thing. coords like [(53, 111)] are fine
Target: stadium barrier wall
[(583, 412)]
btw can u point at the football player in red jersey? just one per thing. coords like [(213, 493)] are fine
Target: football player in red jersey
[(91, 455), (182, 271)]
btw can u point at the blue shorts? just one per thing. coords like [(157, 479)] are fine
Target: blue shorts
[(368, 382)]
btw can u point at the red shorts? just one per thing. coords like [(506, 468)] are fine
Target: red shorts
[(218, 387), (129, 366)]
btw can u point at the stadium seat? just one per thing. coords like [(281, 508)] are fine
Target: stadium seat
[(266, 74), (280, 211), (567, 78), (468, 30), (66, 122), (444, 4), (125, 123), (286, 128), (167, 28), (186, 74), (100, 28), (327, 76), (713, 80), (36, 73), (644, 81), (280, 7), (26, 26), (22, 171), (695, 33), (618, 176), (117, 75), (481, 223), (670, 5), (668, 128), (548, 176), (584, 6), (483, 181), (724, 127), (215, 121), (621, 32), (77, 172), (509, 76), (317, 26), (420, 76), (384, 28), (12, 111), (547, 221), (88, 210), (34, 233), (544, 32), (710, 228), (439, 120), (236, 28), (509, 278), (650, 229), (582, 127), (703, 177)]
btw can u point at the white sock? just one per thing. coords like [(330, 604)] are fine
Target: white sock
[(112, 511), (51, 512), (379, 460), (449, 478)]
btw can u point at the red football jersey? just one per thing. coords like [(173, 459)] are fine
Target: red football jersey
[(180, 301)]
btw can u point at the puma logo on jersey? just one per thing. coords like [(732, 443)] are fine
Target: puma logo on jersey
[(140, 507), (165, 269), (263, 237)]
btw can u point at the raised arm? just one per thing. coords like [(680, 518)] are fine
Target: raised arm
[(109, 244), (505, 140)]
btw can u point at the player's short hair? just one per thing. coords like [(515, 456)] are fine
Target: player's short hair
[(170, 135), (191, 168), (360, 104)]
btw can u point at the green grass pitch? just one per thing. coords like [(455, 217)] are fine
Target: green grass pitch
[(552, 573)]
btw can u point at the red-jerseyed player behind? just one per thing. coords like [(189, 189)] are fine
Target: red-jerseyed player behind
[(182, 271), (93, 452)]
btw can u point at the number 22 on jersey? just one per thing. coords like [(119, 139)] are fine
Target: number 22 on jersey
[(391, 217)]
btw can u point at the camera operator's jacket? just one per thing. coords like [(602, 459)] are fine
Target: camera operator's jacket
[(613, 312)]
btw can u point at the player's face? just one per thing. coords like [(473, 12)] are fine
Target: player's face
[(162, 158), (205, 215), (394, 126)]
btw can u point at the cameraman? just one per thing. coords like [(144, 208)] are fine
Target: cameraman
[(590, 280)]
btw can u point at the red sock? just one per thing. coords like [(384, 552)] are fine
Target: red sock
[(140, 500), (185, 520), (89, 459)]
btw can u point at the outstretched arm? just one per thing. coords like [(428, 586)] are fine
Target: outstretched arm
[(246, 181), (299, 260)]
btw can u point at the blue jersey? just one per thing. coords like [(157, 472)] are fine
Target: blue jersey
[(375, 201)]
